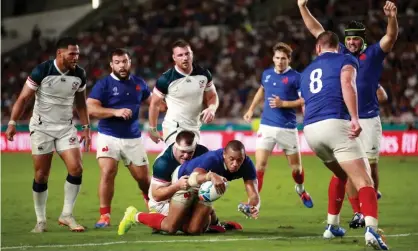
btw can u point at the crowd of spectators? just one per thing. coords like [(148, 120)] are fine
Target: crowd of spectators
[(226, 39)]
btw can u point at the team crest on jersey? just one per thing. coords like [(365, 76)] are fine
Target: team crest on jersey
[(363, 57), (75, 85), (202, 83), (115, 91), (285, 80), (138, 87), (267, 78)]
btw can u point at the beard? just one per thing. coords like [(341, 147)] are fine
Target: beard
[(117, 74)]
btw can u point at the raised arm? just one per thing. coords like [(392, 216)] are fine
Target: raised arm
[(388, 40), (314, 27), (252, 193), (381, 94)]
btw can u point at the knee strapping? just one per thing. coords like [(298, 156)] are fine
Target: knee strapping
[(39, 188), (75, 180)]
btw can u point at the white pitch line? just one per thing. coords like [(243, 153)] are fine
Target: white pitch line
[(188, 241)]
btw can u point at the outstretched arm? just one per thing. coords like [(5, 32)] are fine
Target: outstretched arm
[(389, 39), (310, 22)]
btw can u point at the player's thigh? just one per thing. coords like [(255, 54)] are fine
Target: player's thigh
[(42, 166), (288, 140), (108, 167), (358, 171), (318, 140), (370, 137), (200, 217), (67, 139), (108, 147), (72, 160), (133, 153), (179, 208), (266, 138), (41, 142)]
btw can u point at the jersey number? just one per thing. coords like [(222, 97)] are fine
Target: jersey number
[(315, 85)]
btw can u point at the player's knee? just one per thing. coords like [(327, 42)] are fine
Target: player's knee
[(296, 167), (195, 230), (109, 174), (261, 165), (364, 182), (41, 176)]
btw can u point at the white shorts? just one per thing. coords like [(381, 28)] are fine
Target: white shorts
[(370, 137), (171, 129), (286, 139), (159, 207), (129, 150), (44, 139), (329, 139)]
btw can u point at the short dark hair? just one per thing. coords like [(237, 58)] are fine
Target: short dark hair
[(285, 48), (355, 25), (235, 145), (180, 43), (186, 136), (64, 42), (118, 52), (328, 39)]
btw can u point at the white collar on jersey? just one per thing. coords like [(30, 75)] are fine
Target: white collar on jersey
[(336, 51), (58, 69), (115, 77), (287, 69), (181, 72)]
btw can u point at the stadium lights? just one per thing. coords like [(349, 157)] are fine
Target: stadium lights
[(95, 4)]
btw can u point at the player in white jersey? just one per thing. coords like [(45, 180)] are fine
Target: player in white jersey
[(55, 85), (186, 88)]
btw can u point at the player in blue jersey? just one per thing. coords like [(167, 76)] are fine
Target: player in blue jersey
[(162, 189), (371, 65), (227, 163), (279, 87), (116, 100), (56, 84), (332, 127)]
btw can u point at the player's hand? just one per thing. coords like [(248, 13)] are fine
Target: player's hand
[(10, 132), (302, 3), (275, 102), (248, 116), (124, 113), (355, 128), (207, 115), (86, 139), (182, 183), (154, 135), (219, 183), (390, 9)]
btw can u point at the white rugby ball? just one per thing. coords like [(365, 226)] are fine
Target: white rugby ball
[(207, 192)]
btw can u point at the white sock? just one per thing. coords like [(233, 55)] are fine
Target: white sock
[(39, 200), (333, 219), (370, 222), (70, 195), (300, 188)]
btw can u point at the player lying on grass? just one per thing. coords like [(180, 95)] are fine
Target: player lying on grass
[(279, 88), (331, 127), (186, 211), (162, 189), (370, 58)]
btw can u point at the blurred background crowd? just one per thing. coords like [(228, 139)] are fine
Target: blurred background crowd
[(232, 38)]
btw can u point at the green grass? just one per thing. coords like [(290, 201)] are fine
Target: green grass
[(282, 219)]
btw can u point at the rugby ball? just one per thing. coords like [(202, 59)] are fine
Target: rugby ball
[(207, 192)]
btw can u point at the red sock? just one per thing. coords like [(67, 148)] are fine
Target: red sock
[(336, 192), (368, 201), (355, 204), (298, 177), (105, 210), (153, 220), (260, 178)]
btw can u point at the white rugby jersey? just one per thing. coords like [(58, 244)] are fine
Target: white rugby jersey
[(55, 92), (184, 94)]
